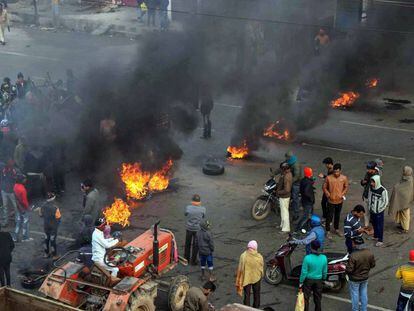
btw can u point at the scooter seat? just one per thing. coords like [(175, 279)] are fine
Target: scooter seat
[(334, 258)]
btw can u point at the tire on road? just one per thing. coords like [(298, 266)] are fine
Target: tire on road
[(273, 275), (213, 169), (260, 201)]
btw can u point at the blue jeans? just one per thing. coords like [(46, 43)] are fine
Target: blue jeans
[(295, 199), (359, 293), (206, 259), (7, 198), (22, 223), (378, 224)]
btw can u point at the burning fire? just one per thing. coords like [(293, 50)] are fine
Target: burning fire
[(118, 213), (273, 131), (138, 183), (345, 100), (371, 83), (238, 152)]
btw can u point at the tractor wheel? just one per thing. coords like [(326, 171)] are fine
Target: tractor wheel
[(140, 302), (178, 290)]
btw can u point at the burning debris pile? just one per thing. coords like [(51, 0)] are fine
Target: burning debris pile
[(118, 213), (345, 100), (238, 152), (371, 83), (274, 131)]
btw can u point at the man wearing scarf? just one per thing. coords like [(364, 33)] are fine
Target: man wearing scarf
[(402, 199), (249, 274)]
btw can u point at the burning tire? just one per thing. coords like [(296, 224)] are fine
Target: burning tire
[(178, 290), (260, 208), (273, 275), (213, 169), (140, 302)]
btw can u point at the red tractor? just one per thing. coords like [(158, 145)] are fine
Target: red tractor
[(141, 262)]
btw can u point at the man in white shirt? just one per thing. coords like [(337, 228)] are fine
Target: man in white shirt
[(100, 245)]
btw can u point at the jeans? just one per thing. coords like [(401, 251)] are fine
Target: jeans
[(164, 19), (191, 247), (324, 205), (359, 293), (256, 294), (307, 213), (151, 17), (206, 259), (7, 198), (284, 214), (378, 224), (402, 302), (5, 274), (333, 212), (22, 223), (50, 240), (295, 199), (314, 286)]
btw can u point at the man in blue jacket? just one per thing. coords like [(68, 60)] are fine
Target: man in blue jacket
[(316, 233)]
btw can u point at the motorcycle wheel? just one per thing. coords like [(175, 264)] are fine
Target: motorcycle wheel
[(338, 286), (273, 275), (260, 209)]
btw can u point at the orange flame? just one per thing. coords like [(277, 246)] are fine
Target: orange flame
[(238, 152), (371, 83), (274, 132), (138, 183), (345, 100), (117, 213)]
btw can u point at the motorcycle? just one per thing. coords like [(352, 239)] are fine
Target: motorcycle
[(266, 202), (279, 267)]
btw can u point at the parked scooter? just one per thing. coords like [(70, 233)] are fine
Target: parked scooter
[(279, 268)]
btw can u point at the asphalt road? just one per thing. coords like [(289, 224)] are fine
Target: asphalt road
[(350, 137)]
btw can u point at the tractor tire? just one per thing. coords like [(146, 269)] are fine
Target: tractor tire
[(177, 292), (140, 302), (213, 169)]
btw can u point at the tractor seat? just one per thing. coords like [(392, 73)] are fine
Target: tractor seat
[(99, 275)]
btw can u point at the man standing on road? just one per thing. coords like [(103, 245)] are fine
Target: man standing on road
[(91, 200), (360, 262), (283, 191), (51, 220), (22, 211), (377, 202), (314, 271), (6, 248), (8, 179), (406, 274), (296, 170), (152, 6), (195, 214), (328, 162), (4, 22), (196, 298), (207, 105), (249, 274), (352, 226), (335, 188), (307, 192), (365, 183)]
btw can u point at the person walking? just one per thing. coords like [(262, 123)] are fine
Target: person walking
[(196, 298), (194, 214), (22, 212), (314, 271), (335, 188), (50, 213), (206, 107), (205, 245), (249, 274), (91, 200), (283, 191), (296, 171), (365, 183), (406, 274), (402, 200), (352, 226), (8, 179), (307, 193), (6, 249), (4, 22), (360, 262), (328, 162), (377, 202)]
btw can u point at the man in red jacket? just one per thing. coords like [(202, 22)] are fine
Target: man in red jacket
[(22, 211)]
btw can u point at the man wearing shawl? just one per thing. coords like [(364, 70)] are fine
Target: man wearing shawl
[(402, 199), (249, 274)]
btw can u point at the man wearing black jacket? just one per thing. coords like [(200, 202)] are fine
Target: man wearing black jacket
[(307, 192), (6, 248)]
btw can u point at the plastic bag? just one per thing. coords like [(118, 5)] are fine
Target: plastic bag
[(300, 302)]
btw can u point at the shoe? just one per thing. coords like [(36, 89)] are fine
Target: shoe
[(338, 233), (14, 239), (328, 236), (379, 244), (212, 278), (27, 240)]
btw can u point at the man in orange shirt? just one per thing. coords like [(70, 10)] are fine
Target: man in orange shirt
[(335, 188)]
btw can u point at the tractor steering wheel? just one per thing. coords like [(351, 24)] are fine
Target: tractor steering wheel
[(116, 256)]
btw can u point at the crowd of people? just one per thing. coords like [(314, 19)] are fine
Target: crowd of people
[(150, 8)]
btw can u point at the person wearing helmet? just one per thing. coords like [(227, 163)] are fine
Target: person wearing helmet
[(316, 233), (307, 192)]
